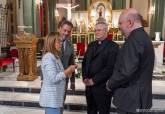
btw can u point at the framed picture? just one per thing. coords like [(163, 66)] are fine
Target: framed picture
[(91, 37), (74, 38)]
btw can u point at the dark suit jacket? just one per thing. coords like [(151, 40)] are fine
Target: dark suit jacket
[(68, 57), (98, 64), (132, 76)]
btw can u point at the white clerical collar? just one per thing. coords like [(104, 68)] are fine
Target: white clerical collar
[(99, 42)]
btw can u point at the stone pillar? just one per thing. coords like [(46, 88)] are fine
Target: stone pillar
[(26, 45)]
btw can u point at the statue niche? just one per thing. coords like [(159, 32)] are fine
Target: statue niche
[(100, 11)]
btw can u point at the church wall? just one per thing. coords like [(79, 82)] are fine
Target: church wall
[(62, 12), (142, 7), (127, 3), (30, 18)]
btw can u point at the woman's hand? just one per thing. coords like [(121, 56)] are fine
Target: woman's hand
[(68, 72)]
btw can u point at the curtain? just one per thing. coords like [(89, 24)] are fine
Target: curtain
[(156, 24), (118, 4), (51, 15), (36, 18), (163, 31), (28, 15)]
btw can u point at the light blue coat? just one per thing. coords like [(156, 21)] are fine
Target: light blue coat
[(52, 90)]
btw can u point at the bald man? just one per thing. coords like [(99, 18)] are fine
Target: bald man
[(132, 76)]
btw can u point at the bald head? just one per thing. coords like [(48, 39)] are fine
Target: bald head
[(129, 20), (132, 14)]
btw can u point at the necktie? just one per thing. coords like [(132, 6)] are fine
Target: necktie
[(62, 51), (62, 48)]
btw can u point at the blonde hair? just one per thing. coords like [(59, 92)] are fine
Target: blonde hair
[(49, 44)]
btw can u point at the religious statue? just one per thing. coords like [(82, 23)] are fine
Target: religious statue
[(75, 26), (100, 18), (100, 12), (82, 26), (69, 9)]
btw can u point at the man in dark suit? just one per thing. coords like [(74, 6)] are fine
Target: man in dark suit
[(67, 50), (97, 67), (132, 75)]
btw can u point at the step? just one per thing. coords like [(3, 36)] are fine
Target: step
[(77, 103), (29, 86), (159, 76), (39, 55), (29, 110), (31, 100), (34, 87)]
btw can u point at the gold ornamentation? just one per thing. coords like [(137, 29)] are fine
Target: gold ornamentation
[(26, 45)]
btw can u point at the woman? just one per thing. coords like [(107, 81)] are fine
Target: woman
[(54, 75)]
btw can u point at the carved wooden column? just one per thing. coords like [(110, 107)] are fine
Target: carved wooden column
[(26, 45)]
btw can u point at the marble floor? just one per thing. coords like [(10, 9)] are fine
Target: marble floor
[(27, 110), (21, 97)]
